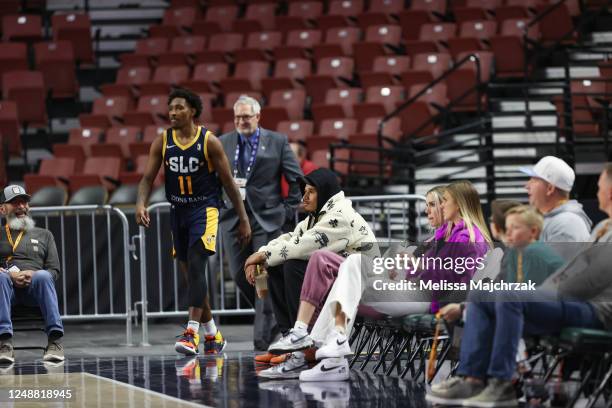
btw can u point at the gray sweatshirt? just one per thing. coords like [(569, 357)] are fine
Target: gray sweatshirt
[(588, 276), (566, 223), (35, 251)]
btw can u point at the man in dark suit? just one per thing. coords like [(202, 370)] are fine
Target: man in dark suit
[(258, 157)]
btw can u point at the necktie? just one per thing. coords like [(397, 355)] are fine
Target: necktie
[(245, 154)]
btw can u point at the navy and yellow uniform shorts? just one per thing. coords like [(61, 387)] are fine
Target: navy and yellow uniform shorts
[(190, 225)]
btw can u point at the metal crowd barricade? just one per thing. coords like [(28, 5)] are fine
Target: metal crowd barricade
[(68, 224), (388, 214)]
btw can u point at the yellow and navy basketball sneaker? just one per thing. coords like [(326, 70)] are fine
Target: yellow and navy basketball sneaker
[(188, 343), (214, 344)]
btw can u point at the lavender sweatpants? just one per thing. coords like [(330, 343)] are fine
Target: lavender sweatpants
[(320, 275)]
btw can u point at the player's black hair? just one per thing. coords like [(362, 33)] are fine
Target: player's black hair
[(192, 99)]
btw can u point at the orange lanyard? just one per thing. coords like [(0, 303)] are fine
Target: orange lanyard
[(10, 239)]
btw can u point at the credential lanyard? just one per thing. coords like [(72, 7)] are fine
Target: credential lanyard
[(10, 240), (255, 145)]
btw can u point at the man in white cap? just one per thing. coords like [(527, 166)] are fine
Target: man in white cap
[(29, 274), (548, 188)]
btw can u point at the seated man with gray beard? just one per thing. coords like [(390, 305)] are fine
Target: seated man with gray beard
[(29, 275)]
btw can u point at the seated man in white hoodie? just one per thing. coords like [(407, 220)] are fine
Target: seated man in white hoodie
[(332, 224), (549, 188)]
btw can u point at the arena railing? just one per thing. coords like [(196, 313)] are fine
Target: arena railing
[(386, 214), (93, 245)]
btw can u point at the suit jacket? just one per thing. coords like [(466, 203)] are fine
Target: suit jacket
[(263, 190)]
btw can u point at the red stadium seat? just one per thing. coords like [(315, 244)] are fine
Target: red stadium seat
[(152, 132), (457, 46), (346, 7), (296, 130), (113, 107), (156, 105), (345, 97), (293, 100), (262, 13), (122, 137), (97, 171), (345, 37), (22, 27), (387, 6), (56, 62), (223, 16), (272, 116), (416, 120), (365, 53), (253, 71), (264, 40), (411, 22), (463, 14), (510, 12), (392, 64), (9, 128), (420, 47), (52, 172), (188, 45), (75, 152), (437, 31), (388, 96), (436, 96), (391, 129), (295, 68), (85, 138), (414, 77), (27, 89), (477, 29), (211, 72), (180, 16), (436, 6), (151, 47), (172, 75), (306, 9), (133, 76), (556, 24), (437, 64), (225, 42), (13, 57), (385, 34), (338, 128), (372, 18)]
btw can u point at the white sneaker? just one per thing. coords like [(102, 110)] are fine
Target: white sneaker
[(291, 368), (336, 346), (293, 341), (330, 369)]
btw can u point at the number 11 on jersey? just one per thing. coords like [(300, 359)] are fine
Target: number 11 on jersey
[(182, 184)]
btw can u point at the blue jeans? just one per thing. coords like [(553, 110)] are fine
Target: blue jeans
[(493, 330), (41, 292)]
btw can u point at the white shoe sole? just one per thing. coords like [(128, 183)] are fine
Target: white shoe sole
[(181, 348)]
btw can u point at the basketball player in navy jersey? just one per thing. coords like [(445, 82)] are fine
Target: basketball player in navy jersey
[(195, 169)]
